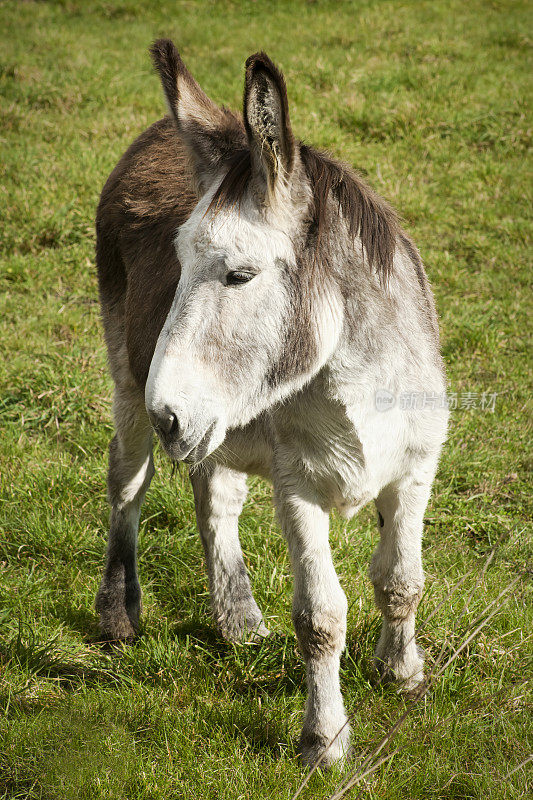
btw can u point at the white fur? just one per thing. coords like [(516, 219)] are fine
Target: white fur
[(320, 436), (185, 374)]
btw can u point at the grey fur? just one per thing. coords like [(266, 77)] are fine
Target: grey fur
[(277, 376), (219, 494)]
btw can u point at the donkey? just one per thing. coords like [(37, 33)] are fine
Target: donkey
[(259, 302)]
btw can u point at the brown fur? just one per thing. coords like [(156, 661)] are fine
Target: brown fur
[(146, 198), (367, 215)]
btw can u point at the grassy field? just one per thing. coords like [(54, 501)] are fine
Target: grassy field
[(429, 100)]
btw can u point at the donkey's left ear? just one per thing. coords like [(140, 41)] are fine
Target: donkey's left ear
[(266, 119), (211, 134)]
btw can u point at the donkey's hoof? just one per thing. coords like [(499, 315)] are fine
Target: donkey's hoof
[(406, 675), (326, 751), (117, 623), (117, 627), (118, 632), (242, 624)]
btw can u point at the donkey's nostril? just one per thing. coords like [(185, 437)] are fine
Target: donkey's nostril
[(174, 426), (166, 422)]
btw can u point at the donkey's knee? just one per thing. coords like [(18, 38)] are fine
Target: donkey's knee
[(398, 599), (321, 633), (398, 658), (321, 636), (396, 573)]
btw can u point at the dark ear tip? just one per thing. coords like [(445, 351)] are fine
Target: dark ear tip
[(260, 61), (162, 48), (257, 58), (165, 56)]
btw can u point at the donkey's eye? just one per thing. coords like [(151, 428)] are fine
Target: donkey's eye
[(237, 277)]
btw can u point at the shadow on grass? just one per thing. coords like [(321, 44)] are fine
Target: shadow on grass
[(255, 728), (80, 620), (197, 631), (272, 667)]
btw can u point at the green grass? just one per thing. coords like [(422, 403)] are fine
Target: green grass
[(429, 99)]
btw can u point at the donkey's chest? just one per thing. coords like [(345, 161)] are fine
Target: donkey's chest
[(333, 452), (338, 474)]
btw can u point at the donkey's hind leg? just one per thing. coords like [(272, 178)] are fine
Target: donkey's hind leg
[(118, 601), (219, 494), (398, 578)]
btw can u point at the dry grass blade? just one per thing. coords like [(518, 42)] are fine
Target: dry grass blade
[(487, 607), (522, 764), (434, 675), (481, 704), (360, 777), (422, 625), (422, 692), (473, 590)]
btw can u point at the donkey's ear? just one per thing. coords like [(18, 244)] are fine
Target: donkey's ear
[(266, 119), (211, 134)]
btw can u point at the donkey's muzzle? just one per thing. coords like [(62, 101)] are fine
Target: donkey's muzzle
[(182, 441)]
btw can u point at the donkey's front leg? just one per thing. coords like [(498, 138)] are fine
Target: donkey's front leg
[(219, 495), (118, 601), (398, 578), (319, 617)]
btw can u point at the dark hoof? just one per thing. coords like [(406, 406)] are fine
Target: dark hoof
[(118, 622), (314, 748), (243, 624)]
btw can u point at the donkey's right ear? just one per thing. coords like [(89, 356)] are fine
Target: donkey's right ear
[(211, 134), (266, 119)]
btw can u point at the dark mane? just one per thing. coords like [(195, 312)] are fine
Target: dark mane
[(367, 215)]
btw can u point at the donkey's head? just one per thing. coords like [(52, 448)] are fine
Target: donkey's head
[(249, 325)]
